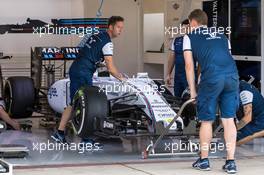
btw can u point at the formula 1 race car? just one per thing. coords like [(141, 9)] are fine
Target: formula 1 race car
[(137, 107), (140, 106)]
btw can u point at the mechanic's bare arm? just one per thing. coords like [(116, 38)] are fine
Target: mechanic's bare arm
[(247, 116), (112, 68), (189, 68), (170, 67)]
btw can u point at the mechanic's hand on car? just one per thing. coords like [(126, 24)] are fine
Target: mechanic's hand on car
[(168, 79)]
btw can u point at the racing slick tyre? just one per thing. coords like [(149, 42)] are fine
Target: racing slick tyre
[(90, 107), (19, 97)]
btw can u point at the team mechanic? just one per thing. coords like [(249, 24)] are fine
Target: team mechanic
[(219, 85), (176, 60), (97, 48), (251, 120)]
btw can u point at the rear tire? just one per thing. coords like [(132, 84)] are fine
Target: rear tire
[(90, 107), (19, 96)]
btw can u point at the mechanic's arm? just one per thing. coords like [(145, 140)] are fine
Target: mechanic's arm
[(170, 67), (189, 68), (247, 116), (112, 68), (189, 65), (246, 98)]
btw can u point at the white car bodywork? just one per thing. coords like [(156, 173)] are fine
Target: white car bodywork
[(142, 86)]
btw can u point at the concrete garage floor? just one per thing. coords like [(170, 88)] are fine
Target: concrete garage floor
[(113, 151), (245, 166), (116, 157)]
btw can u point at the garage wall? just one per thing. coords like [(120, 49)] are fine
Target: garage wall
[(127, 47), (172, 18), (153, 6), (18, 45), (175, 16)]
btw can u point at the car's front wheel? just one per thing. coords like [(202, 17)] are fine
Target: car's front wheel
[(89, 107)]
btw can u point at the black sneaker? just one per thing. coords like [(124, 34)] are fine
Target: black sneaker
[(59, 138), (202, 164), (230, 167)]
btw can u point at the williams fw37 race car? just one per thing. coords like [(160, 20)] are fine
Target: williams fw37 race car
[(139, 106)]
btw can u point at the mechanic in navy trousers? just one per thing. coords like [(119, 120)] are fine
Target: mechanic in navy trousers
[(176, 60), (97, 48), (219, 85)]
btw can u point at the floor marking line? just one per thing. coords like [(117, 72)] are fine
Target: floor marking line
[(136, 169)]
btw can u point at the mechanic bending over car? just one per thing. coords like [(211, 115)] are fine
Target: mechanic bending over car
[(219, 84), (251, 114), (176, 60), (98, 48), (6, 118)]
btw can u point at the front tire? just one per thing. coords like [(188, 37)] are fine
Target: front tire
[(90, 106)]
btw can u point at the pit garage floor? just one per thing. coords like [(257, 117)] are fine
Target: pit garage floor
[(116, 156), (245, 166)]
